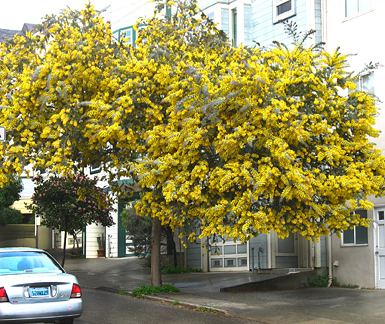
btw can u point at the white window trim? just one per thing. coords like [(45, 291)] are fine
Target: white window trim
[(224, 256), (354, 237), (278, 18)]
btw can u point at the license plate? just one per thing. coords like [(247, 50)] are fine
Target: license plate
[(39, 292)]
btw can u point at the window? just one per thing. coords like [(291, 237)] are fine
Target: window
[(230, 249), (358, 235), (242, 262), (283, 9), (227, 254), (242, 248), (216, 263), (287, 246), (225, 21), (366, 83), (18, 262), (128, 35), (354, 7), (95, 168), (216, 250), (229, 263)]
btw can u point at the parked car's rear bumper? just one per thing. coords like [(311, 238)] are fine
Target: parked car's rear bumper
[(40, 311)]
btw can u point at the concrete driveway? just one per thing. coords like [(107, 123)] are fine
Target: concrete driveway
[(311, 305)]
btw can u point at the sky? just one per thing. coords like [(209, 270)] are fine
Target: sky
[(121, 13)]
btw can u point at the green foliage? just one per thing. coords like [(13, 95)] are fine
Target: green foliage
[(8, 195), (318, 281), (70, 203), (174, 270), (10, 216), (153, 290)]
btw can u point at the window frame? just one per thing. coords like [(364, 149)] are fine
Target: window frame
[(283, 16), (95, 169), (361, 82), (357, 10), (354, 229)]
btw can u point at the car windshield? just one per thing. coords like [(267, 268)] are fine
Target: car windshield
[(19, 262)]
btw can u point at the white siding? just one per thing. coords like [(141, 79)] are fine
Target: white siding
[(265, 31), (92, 233), (112, 236)]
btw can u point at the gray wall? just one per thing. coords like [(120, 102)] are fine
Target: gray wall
[(194, 256), (286, 262), (257, 242)]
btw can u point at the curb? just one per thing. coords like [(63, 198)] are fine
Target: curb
[(193, 306), (174, 302)]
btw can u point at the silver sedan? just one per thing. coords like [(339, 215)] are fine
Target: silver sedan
[(35, 288)]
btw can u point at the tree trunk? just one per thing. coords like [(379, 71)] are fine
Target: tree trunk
[(64, 249), (156, 279)]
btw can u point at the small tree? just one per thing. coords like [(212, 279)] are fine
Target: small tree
[(70, 203), (8, 195)]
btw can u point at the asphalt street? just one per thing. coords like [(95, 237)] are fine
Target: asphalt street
[(102, 307)]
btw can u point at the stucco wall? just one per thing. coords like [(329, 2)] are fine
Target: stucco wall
[(354, 265)]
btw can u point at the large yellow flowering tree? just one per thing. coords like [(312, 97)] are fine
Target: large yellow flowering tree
[(244, 141), (233, 141), (56, 86)]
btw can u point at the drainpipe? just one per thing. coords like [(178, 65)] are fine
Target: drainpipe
[(317, 254), (330, 260)]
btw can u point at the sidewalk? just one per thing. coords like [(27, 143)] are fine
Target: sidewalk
[(316, 305)]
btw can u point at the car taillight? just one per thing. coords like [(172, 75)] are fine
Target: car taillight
[(3, 295), (76, 291)]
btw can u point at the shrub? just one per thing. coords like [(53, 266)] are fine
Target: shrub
[(153, 290)]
